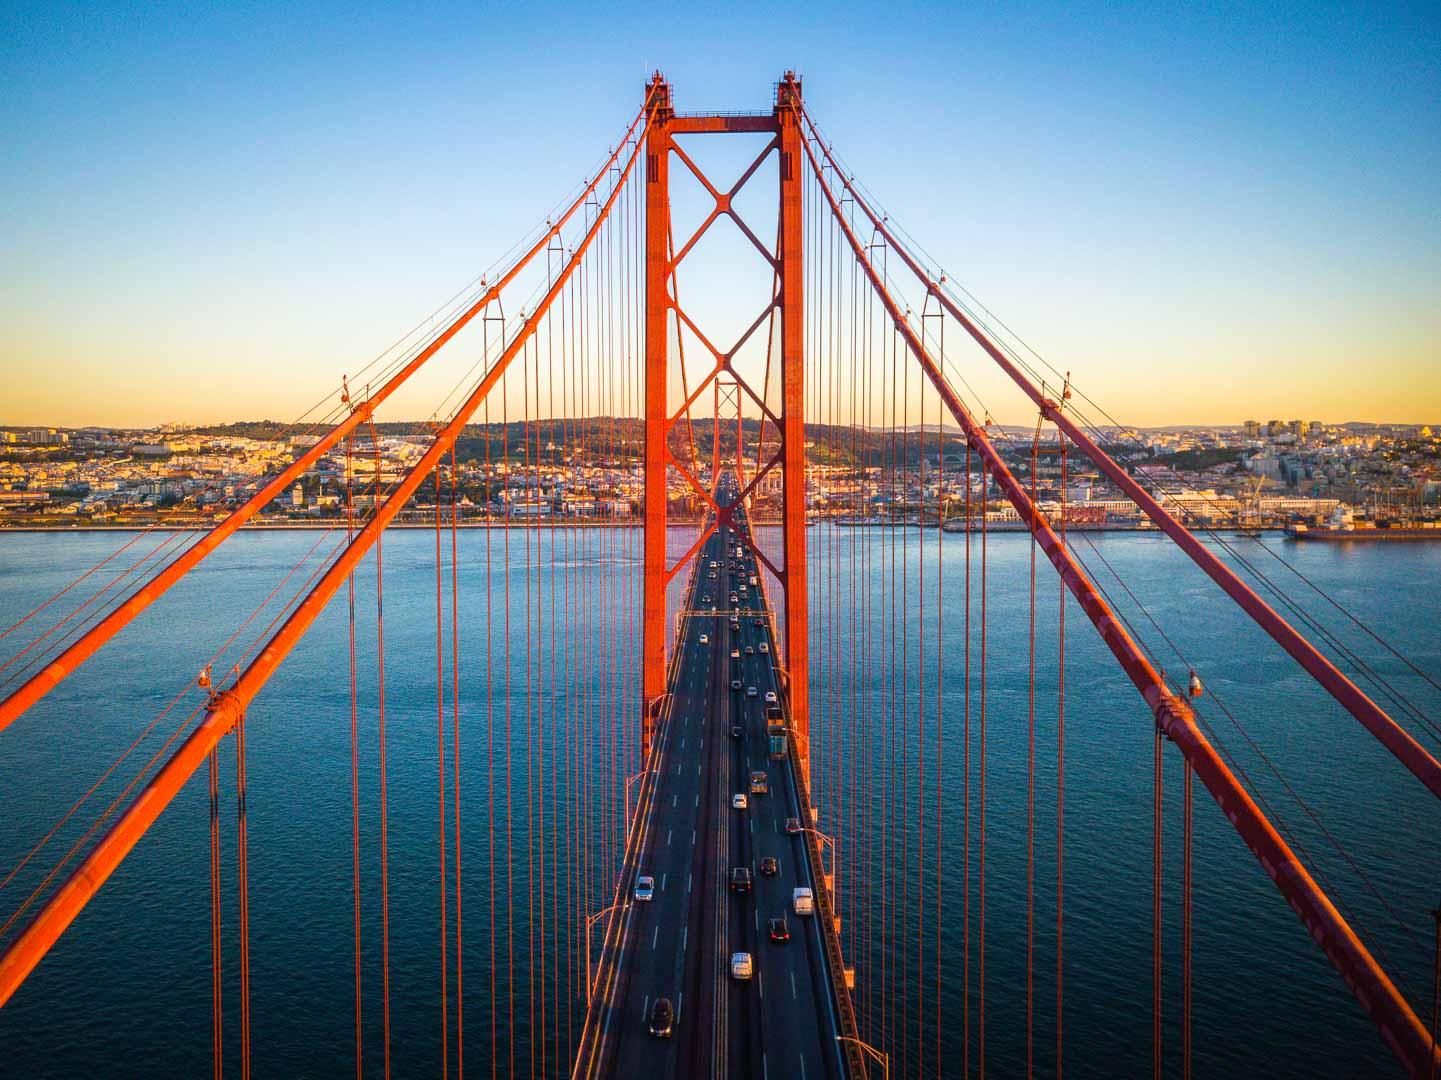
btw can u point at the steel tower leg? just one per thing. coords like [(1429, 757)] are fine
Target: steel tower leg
[(657, 311), (793, 463)]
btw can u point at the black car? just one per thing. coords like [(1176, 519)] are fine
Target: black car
[(736, 733), (662, 1018), (770, 867), (780, 932), (740, 879), (760, 622)]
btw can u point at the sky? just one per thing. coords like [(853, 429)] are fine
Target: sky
[(1207, 213)]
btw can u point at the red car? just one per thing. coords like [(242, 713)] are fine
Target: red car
[(780, 932)]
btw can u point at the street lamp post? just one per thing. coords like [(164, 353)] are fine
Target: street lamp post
[(589, 925), (884, 1059), (835, 874)]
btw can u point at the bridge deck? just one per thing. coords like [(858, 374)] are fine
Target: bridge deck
[(783, 1022)]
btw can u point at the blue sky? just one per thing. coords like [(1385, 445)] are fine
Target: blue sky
[(1207, 215)]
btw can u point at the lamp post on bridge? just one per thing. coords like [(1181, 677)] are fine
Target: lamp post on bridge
[(835, 875), (589, 925), (884, 1059)]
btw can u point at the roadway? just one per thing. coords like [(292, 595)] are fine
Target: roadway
[(782, 1022)]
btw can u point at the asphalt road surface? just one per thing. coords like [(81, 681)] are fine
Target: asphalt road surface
[(782, 1022)]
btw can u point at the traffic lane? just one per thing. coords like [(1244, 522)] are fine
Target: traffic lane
[(657, 971), (651, 970), (747, 1036), (799, 992)]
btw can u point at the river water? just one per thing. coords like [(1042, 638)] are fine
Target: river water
[(127, 990)]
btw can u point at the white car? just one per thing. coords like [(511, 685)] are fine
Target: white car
[(803, 901), (750, 691), (735, 654), (770, 697), (705, 639), (645, 888), (763, 647), (742, 966), (738, 800)]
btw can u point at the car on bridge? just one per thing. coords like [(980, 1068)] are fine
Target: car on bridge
[(737, 732), (793, 826), (760, 783), (804, 901), (645, 888), (750, 691), (739, 801), (705, 639), (770, 867), (740, 879), (735, 654), (763, 647), (771, 697), (735, 684), (780, 932), (662, 1018), (742, 966), (750, 650)]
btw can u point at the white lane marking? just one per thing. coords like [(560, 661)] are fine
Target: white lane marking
[(655, 938), (793, 984), (662, 882), (673, 798), (697, 800), (668, 834), (760, 985), (684, 934), (803, 1066), (692, 838), (645, 1006), (687, 882), (765, 1067)]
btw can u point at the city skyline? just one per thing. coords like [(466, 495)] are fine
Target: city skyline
[(1210, 217)]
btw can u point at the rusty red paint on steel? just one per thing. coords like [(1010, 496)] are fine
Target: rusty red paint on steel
[(793, 437), (26, 951), (95, 638), (657, 314), (1377, 994), (1375, 719)]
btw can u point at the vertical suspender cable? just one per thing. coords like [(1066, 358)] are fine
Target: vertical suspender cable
[(981, 961), (440, 773), (1186, 883), (1031, 779), (1156, 914), (380, 713), (966, 791), (216, 995), (455, 762), (242, 884), (1061, 787), (354, 753), (939, 756)]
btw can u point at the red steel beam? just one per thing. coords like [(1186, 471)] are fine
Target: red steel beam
[(712, 124), (1368, 981), (1351, 697), (45, 680), (657, 418), (793, 432), (27, 950)]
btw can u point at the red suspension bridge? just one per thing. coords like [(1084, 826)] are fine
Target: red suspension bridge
[(733, 852)]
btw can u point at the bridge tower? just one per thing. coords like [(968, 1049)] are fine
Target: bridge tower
[(663, 253)]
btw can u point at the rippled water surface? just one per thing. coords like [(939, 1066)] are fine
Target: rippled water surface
[(127, 990)]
